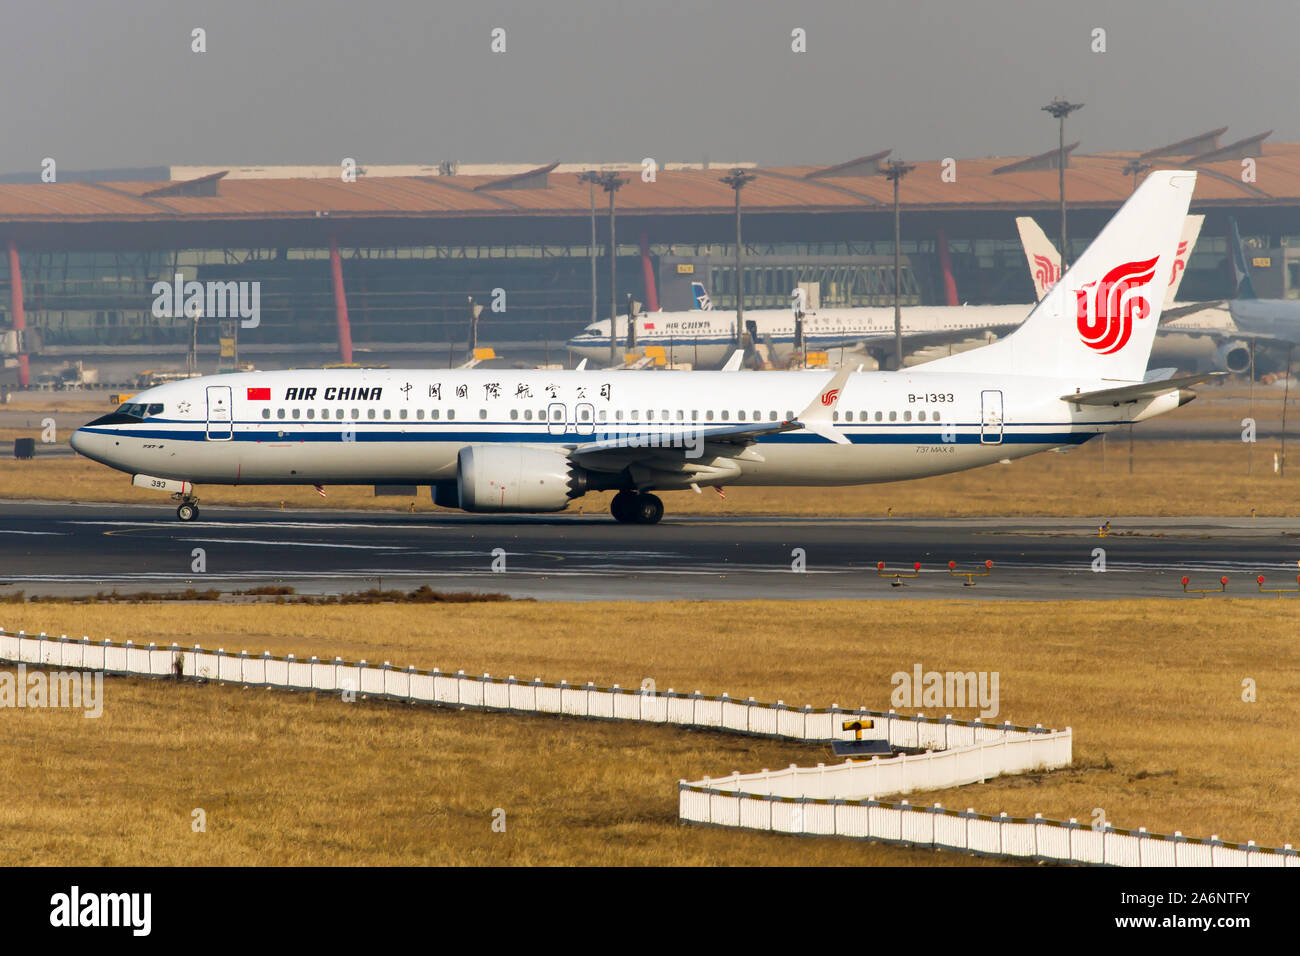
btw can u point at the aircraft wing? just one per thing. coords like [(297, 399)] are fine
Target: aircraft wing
[(1141, 390), (713, 441), (1168, 315)]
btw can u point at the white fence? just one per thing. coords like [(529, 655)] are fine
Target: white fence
[(836, 800), (967, 831), (723, 713)]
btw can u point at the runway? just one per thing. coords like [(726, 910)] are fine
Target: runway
[(61, 549)]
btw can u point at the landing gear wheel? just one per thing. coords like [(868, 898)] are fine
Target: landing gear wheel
[(623, 506), (187, 511), (648, 510)]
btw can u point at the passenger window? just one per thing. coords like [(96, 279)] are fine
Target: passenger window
[(789, 416), (338, 413), (311, 413), (666, 416), (618, 415), (893, 416), (279, 413), (433, 414), (708, 416), (403, 414), (356, 413), (266, 413), (388, 414), (419, 414), (528, 414), (771, 416), (482, 413), (297, 412), (920, 416), (602, 416), (835, 416), (370, 414), (879, 416), (726, 415), (907, 416), (451, 414), (695, 414), (758, 416), (740, 415), (585, 415), (514, 414), (650, 414)]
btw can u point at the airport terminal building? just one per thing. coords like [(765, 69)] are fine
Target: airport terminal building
[(391, 258)]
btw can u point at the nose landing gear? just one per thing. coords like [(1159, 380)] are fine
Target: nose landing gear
[(630, 507)]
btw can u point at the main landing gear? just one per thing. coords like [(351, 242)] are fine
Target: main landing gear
[(188, 509), (630, 507)]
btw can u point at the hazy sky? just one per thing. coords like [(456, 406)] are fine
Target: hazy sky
[(414, 81)]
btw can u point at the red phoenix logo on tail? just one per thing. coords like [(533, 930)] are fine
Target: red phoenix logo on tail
[(1180, 262), (1046, 272), (1105, 317)]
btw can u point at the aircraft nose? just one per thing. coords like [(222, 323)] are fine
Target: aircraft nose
[(78, 442)]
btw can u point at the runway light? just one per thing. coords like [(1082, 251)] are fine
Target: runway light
[(916, 566), (951, 565), (1186, 580)]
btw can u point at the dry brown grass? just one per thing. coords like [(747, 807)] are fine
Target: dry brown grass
[(1169, 478), (1151, 688)]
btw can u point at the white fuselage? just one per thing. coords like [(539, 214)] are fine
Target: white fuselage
[(392, 426), (705, 338)]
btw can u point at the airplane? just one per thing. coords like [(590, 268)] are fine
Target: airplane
[(1274, 321), (534, 440), (705, 336)]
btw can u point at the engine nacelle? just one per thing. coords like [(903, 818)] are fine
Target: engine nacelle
[(515, 478), (1233, 357)]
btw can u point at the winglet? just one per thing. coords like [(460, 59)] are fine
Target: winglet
[(580, 366), (817, 416), (733, 363)]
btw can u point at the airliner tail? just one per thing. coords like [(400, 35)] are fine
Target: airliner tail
[(1099, 321)]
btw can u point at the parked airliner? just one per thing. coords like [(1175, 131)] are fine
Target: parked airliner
[(532, 441)]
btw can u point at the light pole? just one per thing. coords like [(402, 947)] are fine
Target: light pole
[(590, 177), (1060, 108), (1135, 168), (737, 179), (611, 182), (894, 171)]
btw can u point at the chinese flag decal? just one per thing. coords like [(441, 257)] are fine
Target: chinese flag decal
[(259, 394)]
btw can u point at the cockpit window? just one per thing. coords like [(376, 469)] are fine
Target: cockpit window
[(140, 410), (593, 330)]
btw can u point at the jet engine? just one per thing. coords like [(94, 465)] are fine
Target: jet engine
[(511, 478), (1233, 357)]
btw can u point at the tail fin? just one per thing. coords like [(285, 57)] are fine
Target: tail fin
[(1240, 271), (1044, 261), (1186, 243), (701, 298), (1100, 319)]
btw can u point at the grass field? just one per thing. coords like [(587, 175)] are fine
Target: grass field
[(1169, 478), (1153, 690)]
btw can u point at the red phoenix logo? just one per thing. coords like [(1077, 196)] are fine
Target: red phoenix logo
[(1105, 318), (828, 397), (1046, 272), (1180, 262)]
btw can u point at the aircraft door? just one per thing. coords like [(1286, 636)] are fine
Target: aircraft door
[(991, 417), (556, 418), (219, 413), (586, 418)]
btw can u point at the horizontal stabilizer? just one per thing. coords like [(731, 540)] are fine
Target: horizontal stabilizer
[(1136, 393)]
